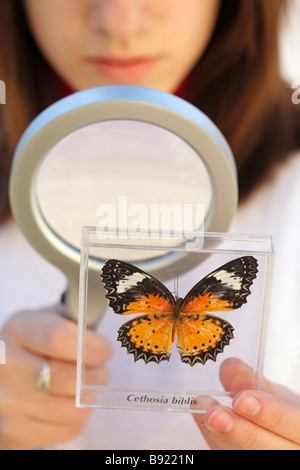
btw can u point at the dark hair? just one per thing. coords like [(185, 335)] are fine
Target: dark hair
[(237, 83)]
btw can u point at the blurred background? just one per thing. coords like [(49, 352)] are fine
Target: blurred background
[(290, 49)]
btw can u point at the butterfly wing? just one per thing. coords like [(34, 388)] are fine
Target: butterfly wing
[(201, 337), (148, 337), (226, 288), (131, 290)]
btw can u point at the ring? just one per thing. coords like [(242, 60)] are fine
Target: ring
[(44, 379)]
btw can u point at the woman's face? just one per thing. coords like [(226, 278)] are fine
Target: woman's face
[(153, 43)]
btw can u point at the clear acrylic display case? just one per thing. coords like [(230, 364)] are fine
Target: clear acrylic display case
[(235, 297)]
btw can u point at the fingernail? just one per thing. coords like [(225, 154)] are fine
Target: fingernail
[(247, 405), (220, 421), (204, 402)]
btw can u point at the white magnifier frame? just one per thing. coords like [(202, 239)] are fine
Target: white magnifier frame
[(116, 102)]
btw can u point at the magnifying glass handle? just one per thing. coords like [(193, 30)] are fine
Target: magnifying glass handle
[(90, 303)]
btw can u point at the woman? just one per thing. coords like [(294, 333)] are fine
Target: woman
[(223, 57)]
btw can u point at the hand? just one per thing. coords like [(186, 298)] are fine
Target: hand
[(29, 417), (259, 420)]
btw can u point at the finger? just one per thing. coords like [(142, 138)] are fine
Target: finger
[(51, 335), (23, 369), (40, 406), (64, 376), (230, 431), (204, 403), (38, 434), (272, 413), (206, 434), (236, 376)]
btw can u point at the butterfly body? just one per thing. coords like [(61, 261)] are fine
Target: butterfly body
[(163, 319), (177, 308)]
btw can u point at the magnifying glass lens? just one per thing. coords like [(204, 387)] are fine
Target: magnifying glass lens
[(122, 173)]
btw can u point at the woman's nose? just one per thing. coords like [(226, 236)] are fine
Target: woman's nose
[(118, 18)]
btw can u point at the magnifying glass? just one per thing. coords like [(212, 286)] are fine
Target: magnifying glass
[(105, 146)]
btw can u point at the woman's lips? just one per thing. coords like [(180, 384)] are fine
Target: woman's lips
[(124, 70)]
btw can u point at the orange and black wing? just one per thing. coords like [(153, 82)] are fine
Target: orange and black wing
[(201, 335), (130, 290), (148, 337), (226, 288)]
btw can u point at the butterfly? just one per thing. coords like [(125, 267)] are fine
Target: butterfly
[(164, 318)]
